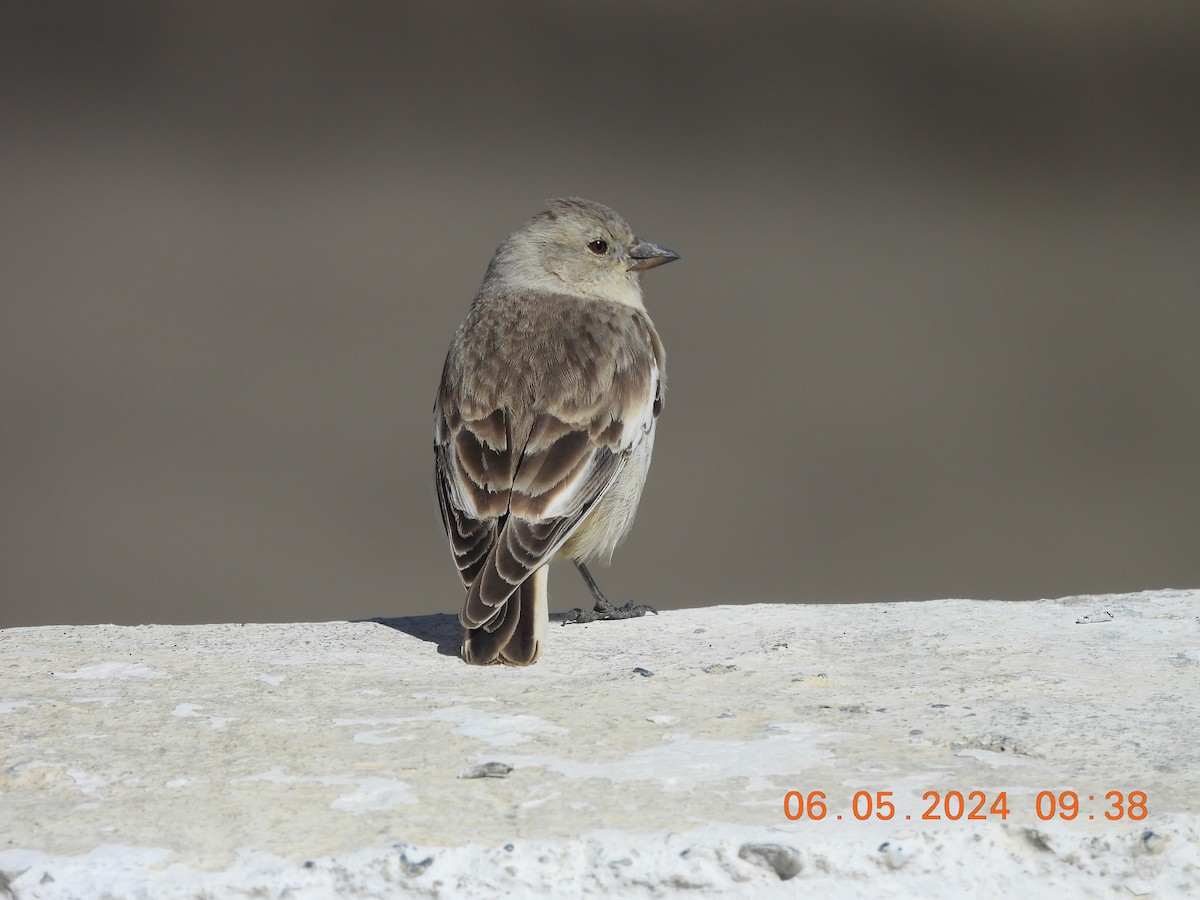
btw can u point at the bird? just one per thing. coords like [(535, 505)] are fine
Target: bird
[(544, 421)]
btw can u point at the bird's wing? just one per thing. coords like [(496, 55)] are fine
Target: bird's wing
[(511, 494), (561, 475), (474, 467)]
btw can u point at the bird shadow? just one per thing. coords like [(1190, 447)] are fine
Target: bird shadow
[(441, 629)]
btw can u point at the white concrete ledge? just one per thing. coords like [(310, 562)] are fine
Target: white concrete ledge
[(647, 757)]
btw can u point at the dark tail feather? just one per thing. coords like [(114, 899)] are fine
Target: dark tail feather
[(516, 638)]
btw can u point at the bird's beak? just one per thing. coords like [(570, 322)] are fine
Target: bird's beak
[(645, 255)]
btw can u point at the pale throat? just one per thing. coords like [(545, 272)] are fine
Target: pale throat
[(625, 290)]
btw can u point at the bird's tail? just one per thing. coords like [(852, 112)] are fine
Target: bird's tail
[(514, 636)]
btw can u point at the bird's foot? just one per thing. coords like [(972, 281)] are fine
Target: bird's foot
[(605, 610)]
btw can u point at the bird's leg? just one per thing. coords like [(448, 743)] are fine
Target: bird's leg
[(603, 609)]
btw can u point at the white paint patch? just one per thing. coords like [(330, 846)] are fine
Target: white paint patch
[(993, 758), (380, 737), (278, 776), (663, 720), (384, 736), (497, 730), (271, 679), (112, 670), (682, 762), (368, 794), (373, 794), (192, 711), (451, 698), (539, 801), (85, 782)]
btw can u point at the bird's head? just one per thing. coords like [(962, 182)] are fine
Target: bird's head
[(579, 247)]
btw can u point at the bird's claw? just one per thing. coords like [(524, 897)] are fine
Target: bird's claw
[(606, 610)]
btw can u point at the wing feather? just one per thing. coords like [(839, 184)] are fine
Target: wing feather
[(522, 457)]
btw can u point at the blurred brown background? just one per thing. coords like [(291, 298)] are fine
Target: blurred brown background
[(936, 331)]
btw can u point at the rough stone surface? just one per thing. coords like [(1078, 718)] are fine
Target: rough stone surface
[(647, 757)]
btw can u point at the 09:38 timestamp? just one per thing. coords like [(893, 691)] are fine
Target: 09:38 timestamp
[(974, 806)]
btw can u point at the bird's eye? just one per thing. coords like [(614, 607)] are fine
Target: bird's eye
[(599, 247)]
